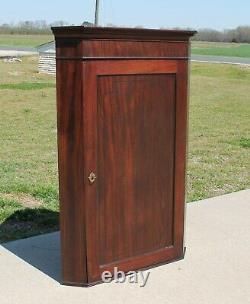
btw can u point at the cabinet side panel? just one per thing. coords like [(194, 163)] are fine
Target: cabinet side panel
[(180, 147), (72, 213)]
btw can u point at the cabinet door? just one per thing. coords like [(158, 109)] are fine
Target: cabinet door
[(134, 141)]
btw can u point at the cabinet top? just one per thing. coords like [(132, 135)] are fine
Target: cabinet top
[(82, 32)]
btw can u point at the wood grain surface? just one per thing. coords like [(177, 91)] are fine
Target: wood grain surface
[(125, 121)]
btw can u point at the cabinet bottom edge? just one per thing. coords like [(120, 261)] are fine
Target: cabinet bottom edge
[(90, 284)]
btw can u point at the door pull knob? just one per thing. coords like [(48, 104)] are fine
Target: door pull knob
[(92, 177)]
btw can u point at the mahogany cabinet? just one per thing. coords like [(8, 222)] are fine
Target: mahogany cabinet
[(122, 100)]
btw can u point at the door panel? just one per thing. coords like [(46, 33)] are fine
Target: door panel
[(130, 143), (135, 158)]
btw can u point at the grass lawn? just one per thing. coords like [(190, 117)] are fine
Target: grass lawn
[(24, 40), (198, 47), (221, 49), (219, 142)]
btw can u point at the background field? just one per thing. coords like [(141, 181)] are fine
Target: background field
[(221, 49), (24, 40), (219, 142), (198, 48)]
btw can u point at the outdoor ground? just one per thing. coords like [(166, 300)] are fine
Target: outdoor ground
[(215, 269), (219, 142)]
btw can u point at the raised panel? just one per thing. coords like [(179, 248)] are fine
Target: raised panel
[(135, 164)]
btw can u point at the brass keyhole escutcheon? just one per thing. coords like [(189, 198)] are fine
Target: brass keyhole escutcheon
[(92, 177)]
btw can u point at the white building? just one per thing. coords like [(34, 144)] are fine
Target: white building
[(47, 58)]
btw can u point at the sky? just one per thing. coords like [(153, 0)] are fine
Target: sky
[(220, 14)]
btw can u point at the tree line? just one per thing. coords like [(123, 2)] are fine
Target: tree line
[(241, 34), (30, 27)]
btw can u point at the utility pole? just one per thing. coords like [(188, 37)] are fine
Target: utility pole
[(97, 6)]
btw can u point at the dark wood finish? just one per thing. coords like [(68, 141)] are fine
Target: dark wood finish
[(100, 49), (123, 117), (71, 172), (132, 163)]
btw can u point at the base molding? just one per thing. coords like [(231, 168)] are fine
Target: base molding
[(90, 284)]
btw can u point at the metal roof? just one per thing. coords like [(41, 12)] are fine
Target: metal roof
[(48, 47)]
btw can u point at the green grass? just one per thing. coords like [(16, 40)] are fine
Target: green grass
[(218, 161), (28, 156), (221, 49), (19, 222), (24, 40), (199, 48), (26, 86), (8, 207), (242, 142), (219, 130)]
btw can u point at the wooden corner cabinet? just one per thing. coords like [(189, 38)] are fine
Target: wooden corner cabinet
[(122, 101)]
